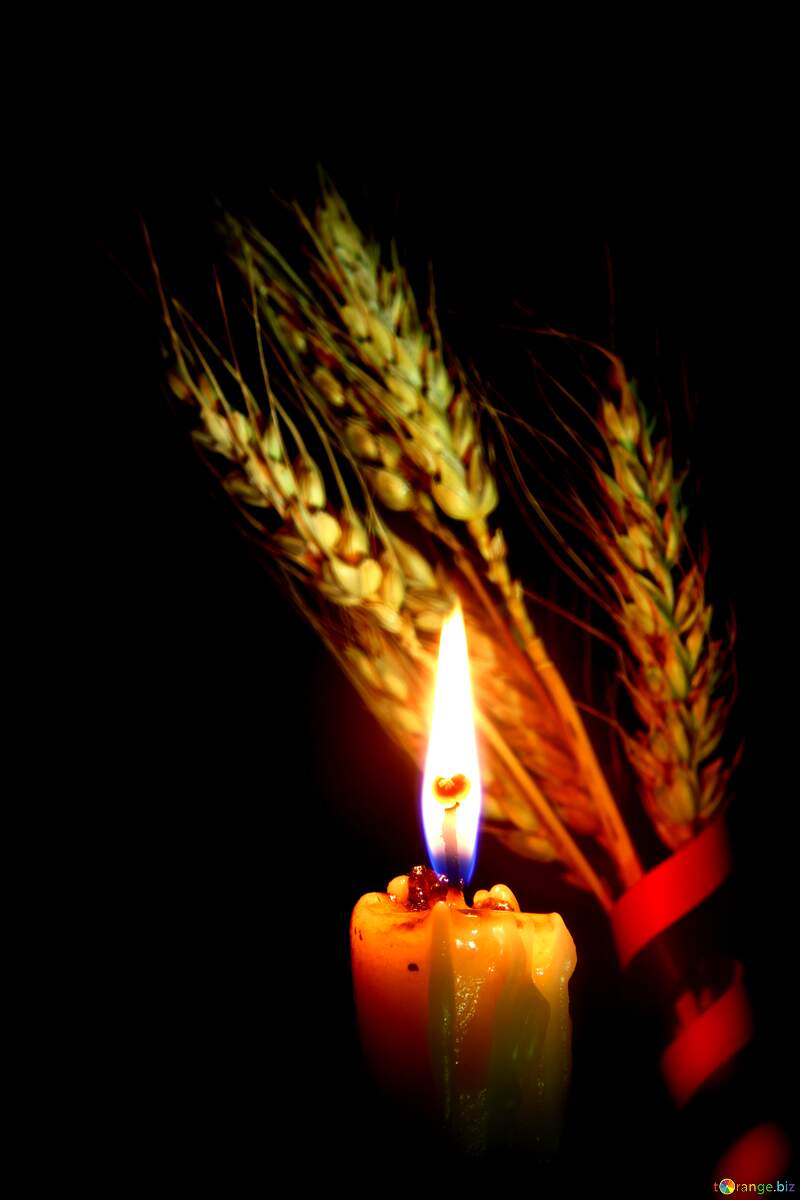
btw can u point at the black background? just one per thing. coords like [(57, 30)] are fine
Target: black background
[(253, 800)]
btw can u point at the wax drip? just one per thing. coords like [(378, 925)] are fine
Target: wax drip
[(425, 888)]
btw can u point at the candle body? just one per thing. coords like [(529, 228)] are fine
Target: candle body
[(464, 1012)]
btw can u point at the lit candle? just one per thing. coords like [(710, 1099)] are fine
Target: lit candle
[(463, 1011)]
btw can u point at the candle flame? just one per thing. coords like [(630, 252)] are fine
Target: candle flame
[(451, 783)]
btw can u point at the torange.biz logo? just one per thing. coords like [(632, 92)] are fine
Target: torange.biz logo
[(728, 1186)]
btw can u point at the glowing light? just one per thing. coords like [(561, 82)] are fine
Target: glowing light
[(451, 785)]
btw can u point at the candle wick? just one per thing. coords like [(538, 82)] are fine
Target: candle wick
[(452, 868)]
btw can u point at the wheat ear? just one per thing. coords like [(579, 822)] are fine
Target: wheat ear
[(677, 675)]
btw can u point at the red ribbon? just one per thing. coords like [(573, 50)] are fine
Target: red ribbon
[(670, 891), (658, 900), (760, 1156), (707, 1042), (711, 1038)]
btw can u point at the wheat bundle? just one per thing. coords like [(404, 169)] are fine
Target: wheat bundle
[(355, 454)]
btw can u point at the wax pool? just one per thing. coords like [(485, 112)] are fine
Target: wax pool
[(464, 1012)]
